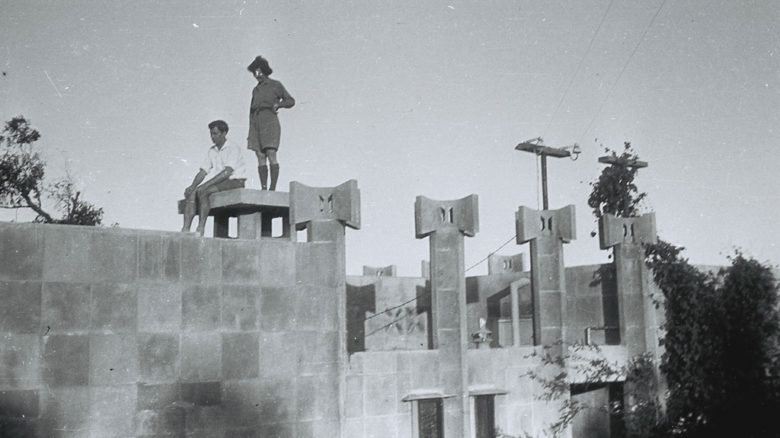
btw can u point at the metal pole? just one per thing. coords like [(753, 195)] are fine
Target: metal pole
[(544, 182)]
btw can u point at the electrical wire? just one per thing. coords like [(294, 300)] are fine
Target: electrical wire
[(628, 61), (425, 294), (579, 66)]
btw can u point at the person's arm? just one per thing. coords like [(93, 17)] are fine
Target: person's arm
[(285, 101), (218, 178), (195, 182)]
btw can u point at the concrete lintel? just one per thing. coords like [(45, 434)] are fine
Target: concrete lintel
[(542, 150), (612, 159)]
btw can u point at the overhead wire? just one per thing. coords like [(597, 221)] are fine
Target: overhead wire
[(579, 66), (428, 292), (625, 66)]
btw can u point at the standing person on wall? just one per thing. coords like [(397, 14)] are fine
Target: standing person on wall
[(264, 131)]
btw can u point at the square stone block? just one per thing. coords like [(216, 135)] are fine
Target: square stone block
[(114, 307), (380, 395), (113, 359), (66, 254), (202, 393), (201, 260), (159, 307), (242, 399), (242, 433), (158, 357), (277, 263), (240, 307), (550, 273), (382, 427), (278, 400), (241, 262), (111, 410), (278, 309), (379, 362), (150, 261), (317, 308), (66, 360), (200, 307), (20, 359), (206, 421), (21, 252), (354, 398), (160, 422), (240, 355), (551, 305), (171, 258), (319, 264), (156, 396), (282, 430), (67, 411), (65, 306), (322, 390), (201, 356), (317, 348), (19, 404), (278, 354), (633, 310), (20, 311), (113, 257)]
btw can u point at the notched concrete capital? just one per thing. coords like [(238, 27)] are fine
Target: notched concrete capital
[(534, 224), (341, 203), (615, 230), (431, 215), (500, 264)]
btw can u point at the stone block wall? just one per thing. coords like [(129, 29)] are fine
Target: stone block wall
[(125, 333)]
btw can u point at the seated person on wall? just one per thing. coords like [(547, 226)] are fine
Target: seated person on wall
[(225, 163)]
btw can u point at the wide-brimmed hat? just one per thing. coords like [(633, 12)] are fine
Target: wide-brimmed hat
[(261, 64)]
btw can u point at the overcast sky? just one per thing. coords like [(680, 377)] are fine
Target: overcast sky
[(417, 98)]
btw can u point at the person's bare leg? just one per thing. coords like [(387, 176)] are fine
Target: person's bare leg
[(203, 213), (189, 213)]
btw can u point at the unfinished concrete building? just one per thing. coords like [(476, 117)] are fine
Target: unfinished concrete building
[(126, 333)]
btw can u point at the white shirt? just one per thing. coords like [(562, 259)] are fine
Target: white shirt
[(230, 155)]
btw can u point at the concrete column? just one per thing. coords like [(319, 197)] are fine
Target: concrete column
[(636, 312), (325, 212), (249, 225), (547, 230), (445, 223), (221, 225), (514, 290), (626, 236)]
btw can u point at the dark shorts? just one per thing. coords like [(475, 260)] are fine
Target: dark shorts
[(230, 184), (264, 131)]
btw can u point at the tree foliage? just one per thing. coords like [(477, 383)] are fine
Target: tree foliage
[(615, 192), (721, 346), (22, 185)]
